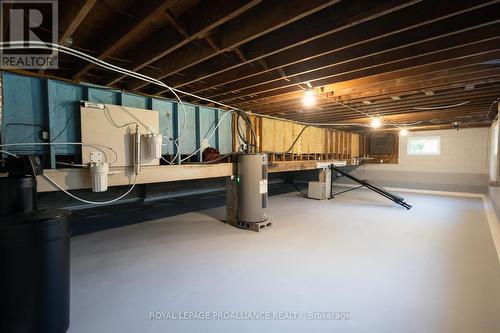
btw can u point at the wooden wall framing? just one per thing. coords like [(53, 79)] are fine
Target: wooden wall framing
[(277, 136)]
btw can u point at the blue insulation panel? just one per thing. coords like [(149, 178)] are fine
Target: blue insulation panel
[(33, 105), (166, 110), (24, 112), (135, 101), (225, 140), (187, 121), (208, 120), (64, 117), (97, 95)]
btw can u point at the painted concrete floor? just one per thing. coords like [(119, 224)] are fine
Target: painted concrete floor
[(431, 269)]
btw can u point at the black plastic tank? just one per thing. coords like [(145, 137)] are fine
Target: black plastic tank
[(17, 195), (35, 272)]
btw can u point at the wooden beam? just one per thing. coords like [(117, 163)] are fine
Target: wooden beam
[(175, 24), (145, 14), (415, 39), (73, 179), (72, 17), (417, 54), (387, 63), (397, 25), (445, 84), (266, 17), (406, 115), (146, 58), (390, 83), (336, 18), (6, 7)]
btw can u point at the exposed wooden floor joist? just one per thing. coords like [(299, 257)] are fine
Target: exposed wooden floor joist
[(382, 57)]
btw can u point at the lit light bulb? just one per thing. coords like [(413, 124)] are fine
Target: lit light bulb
[(403, 132), (376, 122), (309, 98)]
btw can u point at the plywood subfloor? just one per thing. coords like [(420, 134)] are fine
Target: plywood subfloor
[(431, 269)]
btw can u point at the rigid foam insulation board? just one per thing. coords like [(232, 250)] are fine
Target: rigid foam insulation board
[(97, 128)]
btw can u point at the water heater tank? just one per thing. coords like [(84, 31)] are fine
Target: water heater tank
[(252, 188)]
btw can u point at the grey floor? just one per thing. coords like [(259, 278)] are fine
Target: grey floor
[(431, 269)]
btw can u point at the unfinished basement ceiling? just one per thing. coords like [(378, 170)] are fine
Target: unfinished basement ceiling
[(393, 59)]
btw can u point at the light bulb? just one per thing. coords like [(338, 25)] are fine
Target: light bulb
[(403, 132), (309, 98), (376, 122)]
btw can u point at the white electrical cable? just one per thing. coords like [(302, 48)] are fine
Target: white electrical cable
[(441, 107), (10, 154), (177, 148), (73, 164), (96, 146), (81, 55), (211, 135), (88, 201)]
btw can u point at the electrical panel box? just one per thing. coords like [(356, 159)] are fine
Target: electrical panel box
[(316, 190)]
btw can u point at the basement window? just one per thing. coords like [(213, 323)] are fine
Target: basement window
[(424, 145)]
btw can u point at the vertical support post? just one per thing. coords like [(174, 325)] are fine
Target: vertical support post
[(48, 103), (198, 131), (217, 132), (175, 131), (86, 93), (325, 176), (120, 98)]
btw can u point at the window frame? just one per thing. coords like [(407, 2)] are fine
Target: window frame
[(430, 137)]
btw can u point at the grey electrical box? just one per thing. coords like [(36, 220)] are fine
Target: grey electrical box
[(252, 188)]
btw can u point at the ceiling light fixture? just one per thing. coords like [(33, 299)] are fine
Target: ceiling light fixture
[(309, 98), (376, 122)]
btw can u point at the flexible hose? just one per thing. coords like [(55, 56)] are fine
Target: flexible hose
[(88, 201), (96, 146)]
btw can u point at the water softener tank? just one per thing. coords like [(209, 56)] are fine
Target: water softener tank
[(17, 195), (252, 188), (34, 272)]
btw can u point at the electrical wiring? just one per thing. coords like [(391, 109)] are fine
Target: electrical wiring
[(73, 164), (88, 201), (441, 106), (174, 91), (24, 124), (248, 123), (490, 111), (211, 135), (8, 153), (293, 144), (81, 55), (64, 128), (177, 149), (96, 146), (115, 124), (103, 64)]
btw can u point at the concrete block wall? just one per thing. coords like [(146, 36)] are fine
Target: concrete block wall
[(462, 165)]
